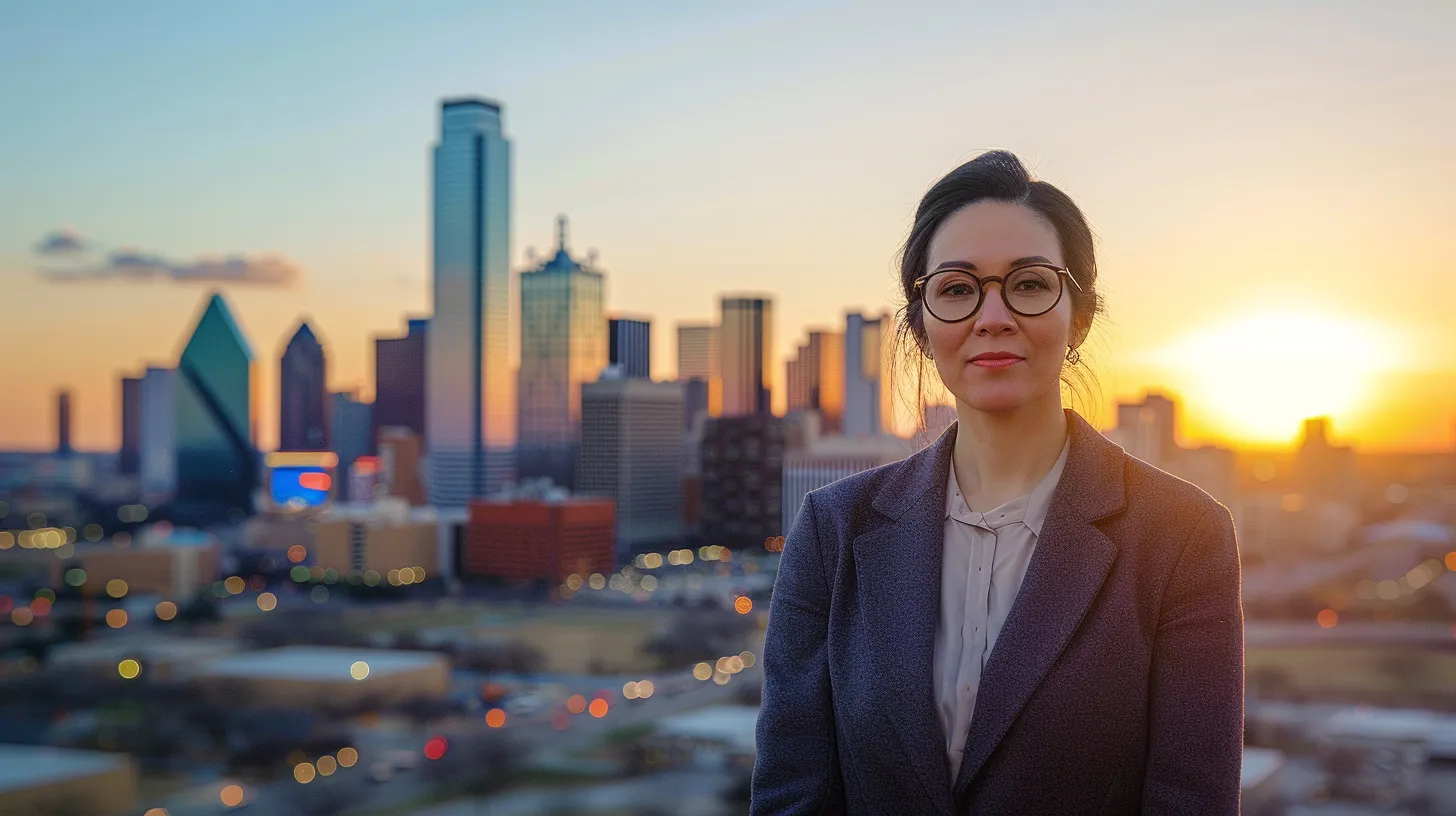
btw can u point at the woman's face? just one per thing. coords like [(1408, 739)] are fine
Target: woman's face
[(992, 238)]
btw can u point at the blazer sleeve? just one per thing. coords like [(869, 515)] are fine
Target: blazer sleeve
[(797, 767), (1196, 716)]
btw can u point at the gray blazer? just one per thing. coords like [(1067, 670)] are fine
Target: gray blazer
[(1116, 686)]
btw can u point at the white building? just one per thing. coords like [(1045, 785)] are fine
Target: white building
[(828, 459)]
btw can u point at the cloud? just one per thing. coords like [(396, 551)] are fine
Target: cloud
[(137, 265), (63, 241)]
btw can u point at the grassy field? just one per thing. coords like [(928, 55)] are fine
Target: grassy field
[(1356, 673)]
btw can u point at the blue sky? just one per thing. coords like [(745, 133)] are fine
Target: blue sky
[(1280, 151)]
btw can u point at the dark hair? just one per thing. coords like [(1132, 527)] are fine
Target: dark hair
[(993, 176)]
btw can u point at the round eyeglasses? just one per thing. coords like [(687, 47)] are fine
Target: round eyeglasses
[(953, 294)]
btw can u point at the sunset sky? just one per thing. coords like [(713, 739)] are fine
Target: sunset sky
[(1271, 182)]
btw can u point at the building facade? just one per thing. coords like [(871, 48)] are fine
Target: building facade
[(350, 425), (303, 423), (815, 379), (563, 344), (746, 342), (470, 417), (631, 453), (399, 379), (214, 411), (157, 455), (868, 409), (524, 540), (629, 346)]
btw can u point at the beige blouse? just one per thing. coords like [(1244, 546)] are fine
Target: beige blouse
[(985, 558)]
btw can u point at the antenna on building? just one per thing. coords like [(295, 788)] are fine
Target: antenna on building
[(561, 232)]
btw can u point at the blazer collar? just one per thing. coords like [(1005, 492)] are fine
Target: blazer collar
[(898, 578)]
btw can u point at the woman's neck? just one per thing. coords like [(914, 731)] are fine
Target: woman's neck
[(1004, 455)]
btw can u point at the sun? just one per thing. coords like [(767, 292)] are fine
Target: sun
[(1260, 375)]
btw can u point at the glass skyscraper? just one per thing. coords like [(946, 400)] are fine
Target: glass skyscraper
[(303, 394), (746, 356), (629, 346), (868, 410), (213, 415), (470, 412), (563, 344)]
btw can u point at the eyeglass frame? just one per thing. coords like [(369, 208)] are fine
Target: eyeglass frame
[(918, 287)]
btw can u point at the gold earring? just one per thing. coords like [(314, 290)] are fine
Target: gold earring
[(1073, 356)]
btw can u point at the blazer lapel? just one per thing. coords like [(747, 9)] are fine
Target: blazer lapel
[(897, 569), (1067, 569)]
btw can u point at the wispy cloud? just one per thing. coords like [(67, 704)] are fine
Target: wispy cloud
[(136, 265)]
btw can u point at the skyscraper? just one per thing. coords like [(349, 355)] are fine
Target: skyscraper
[(158, 433), (129, 458), (697, 369), (563, 344), (303, 394), (745, 355), (815, 379), (399, 380), (631, 452), (629, 346), (214, 414), (469, 409), (868, 410), (350, 423), (63, 423)]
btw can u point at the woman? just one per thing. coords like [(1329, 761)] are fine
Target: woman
[(1021, 618)]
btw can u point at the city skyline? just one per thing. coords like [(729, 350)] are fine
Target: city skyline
[(1200, 196)]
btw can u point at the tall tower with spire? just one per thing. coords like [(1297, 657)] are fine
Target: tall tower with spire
[(303, 394), (563, 344)]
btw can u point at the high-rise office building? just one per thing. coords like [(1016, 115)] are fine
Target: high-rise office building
[(697, 351), (563, 344), (1148, 429), (631, 452), (214, 413), (157, 444), (470, 412), (816, 379), (399, 380), (741, 486), (130, 456), (868, 410), (303, 394), (629, 346), (63, 424), (350, 424), (745, 354)]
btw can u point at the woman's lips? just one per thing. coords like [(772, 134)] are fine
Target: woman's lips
[(997, 363)]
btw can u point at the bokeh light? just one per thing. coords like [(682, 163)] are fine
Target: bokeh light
[(129, 669), (359, 670), (297, 553), (576, 704), (235, 585), (166, 610), (702, 671), (597, 581), (747, 658), (644, 689), (304, 772), (41, 607), (435, 747), (319, 594), (267, 602), (743, 604), (1327, 618), (21, 616), (116, 618), (327, 765), (348, 757), (629, 690), (598, 708), (495, 718), (231, 795)]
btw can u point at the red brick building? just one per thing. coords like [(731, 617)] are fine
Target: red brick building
[(530, 539)]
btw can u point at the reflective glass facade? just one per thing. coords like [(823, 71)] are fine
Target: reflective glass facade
[(213, 415), (469, 403)]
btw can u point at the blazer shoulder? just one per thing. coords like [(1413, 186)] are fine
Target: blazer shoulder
[(1152, 491)]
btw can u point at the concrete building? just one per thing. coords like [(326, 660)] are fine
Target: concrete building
[(746, 355), (400, 459), (381, 537), (160, 656), (175, 563), (540, 539), (742, 461), (312, 675), (39, 780), (157, 455), (868, 409), (631, 453), (828, 459)]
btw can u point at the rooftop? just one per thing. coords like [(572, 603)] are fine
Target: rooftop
[(316, 663), (26, 766), (110, 650)]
